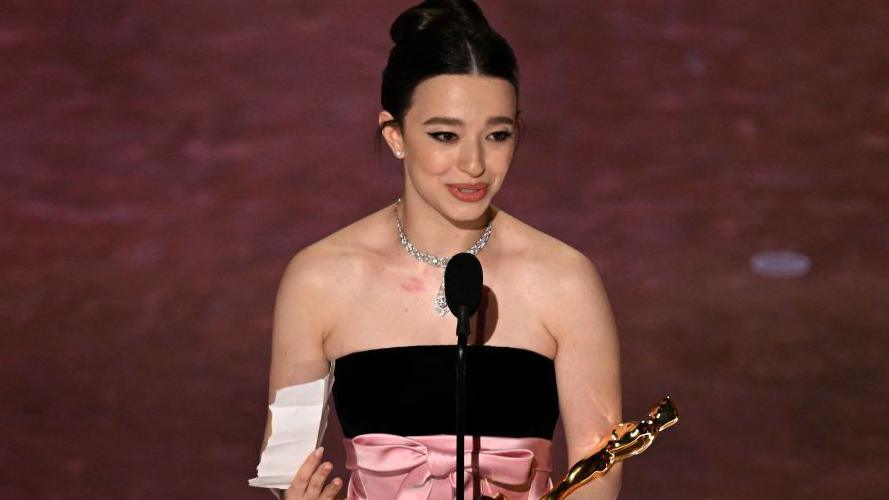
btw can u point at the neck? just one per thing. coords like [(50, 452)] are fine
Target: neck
[(435, 234)]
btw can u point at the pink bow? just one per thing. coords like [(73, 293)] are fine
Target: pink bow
[(423, 470)]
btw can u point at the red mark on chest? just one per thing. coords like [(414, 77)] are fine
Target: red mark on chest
[(413, 285)]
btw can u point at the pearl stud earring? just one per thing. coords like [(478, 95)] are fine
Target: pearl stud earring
[(399, 154)]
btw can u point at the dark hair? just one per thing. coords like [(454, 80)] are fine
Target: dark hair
[(439, 37)]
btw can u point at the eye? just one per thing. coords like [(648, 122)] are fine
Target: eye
[(502, 136), (444, 136)]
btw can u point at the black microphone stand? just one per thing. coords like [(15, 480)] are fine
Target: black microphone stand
[(463, 287), (462, 338)]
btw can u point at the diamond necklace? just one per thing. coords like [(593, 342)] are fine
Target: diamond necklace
[(441, 303)]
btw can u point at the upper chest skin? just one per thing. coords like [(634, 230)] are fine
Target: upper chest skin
[(392, 305)]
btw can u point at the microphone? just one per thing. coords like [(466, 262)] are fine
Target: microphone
[(463, 284), (463, 292)]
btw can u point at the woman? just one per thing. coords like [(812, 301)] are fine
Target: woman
[(543, 343)]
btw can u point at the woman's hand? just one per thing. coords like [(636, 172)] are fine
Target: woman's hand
[(308, 483)]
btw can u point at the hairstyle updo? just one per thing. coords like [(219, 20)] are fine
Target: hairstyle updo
[(439, 37)]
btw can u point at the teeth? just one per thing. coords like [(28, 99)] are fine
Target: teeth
[(463, 190)]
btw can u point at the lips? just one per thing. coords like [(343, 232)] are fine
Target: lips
[(468, 192)]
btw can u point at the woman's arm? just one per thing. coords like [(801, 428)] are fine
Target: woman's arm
[(301, 318), (297, 328), (587, 365)]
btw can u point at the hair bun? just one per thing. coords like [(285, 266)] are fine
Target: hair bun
[(463, 13)]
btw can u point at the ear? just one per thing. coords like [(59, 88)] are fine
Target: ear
[(391, 133)]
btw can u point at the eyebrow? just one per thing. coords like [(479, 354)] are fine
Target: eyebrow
[(443, 120)]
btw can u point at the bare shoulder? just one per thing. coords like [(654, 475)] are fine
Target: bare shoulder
[(569, 299), (558, 275), (310, 300), (333, 266), (548, 260)]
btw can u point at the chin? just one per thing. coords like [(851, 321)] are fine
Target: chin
[(461, 211)]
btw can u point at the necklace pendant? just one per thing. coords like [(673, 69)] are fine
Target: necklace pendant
[(441, 302)]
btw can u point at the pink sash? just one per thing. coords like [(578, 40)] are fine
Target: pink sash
[(388, 466)]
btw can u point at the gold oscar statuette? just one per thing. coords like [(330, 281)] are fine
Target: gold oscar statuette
[(627, 439)]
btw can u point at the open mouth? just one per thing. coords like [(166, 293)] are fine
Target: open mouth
[(465, 192)]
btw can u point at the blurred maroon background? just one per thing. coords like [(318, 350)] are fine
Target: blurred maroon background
[(162, 161)]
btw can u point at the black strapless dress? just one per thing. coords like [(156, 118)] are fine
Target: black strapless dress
[(396, 406)]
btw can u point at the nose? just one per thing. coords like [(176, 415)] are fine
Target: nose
[(472, 158)]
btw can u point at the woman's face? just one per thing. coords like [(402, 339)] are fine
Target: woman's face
[(458, 142)]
